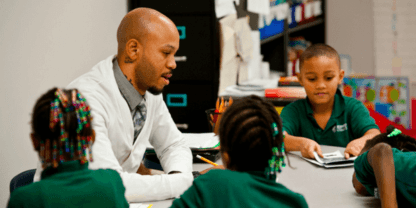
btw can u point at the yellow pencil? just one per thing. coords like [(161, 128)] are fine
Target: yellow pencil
[(206, 160), (150, 205)]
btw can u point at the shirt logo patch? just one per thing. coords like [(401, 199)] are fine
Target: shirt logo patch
[(340, 128)]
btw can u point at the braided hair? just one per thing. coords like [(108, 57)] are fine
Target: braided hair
[(61, 123), (399, 141), (247, 134)]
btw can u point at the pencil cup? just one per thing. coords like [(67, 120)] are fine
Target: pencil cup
[(213, 119)]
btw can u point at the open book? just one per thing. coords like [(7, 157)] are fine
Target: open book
[(331, 160)]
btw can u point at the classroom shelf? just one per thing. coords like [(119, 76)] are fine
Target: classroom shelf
[(295, 29), (275, 48), (307, 25), (269, 39)]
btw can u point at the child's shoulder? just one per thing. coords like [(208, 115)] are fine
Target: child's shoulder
[(28, 193)]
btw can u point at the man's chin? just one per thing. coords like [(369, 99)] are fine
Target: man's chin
[(155, 91)]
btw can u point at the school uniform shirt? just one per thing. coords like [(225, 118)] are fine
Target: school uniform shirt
[(226, 188), (349, 120), (405, 171), (72, 184), (113, 147)]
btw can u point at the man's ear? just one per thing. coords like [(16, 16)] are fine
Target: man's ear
[(133, 51), (341, 76), (35, 142)]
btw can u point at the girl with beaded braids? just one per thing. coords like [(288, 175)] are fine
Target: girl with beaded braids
[(386, 169), (62, 135), (252, 151)]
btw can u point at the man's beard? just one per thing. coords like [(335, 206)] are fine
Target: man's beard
[(154, 90)]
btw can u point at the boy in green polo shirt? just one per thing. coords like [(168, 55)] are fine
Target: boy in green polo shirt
[(325, 117), (62, 135), (386, 169)]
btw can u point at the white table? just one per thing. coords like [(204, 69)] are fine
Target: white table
[(321, 187)]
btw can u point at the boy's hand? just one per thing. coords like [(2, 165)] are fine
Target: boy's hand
[(354, 148), (308, 147)]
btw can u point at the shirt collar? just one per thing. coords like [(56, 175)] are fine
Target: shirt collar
[(339, 105), (69, 166), (130, 94)]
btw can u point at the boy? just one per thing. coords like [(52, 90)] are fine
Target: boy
[(325, 117)]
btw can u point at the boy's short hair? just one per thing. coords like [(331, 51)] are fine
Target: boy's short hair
[(316, 50)]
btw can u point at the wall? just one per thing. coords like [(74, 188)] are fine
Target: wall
[(45, 44), (350, 30)]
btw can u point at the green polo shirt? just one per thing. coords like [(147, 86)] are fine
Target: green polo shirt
[(349, 120), (405, 171), (72, 185), (234, 189)]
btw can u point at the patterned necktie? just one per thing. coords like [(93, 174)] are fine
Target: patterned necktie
[(139, 117)]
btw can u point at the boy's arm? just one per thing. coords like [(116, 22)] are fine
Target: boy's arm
[(304, 145), (380, 158), (355, 146)]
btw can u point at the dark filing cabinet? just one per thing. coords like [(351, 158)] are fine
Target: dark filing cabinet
[(194, 85)]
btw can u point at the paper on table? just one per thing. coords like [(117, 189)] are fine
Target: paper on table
[(224, 7), (201, 140), (259, 6)]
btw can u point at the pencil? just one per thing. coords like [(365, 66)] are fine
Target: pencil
[(206, 160), (150, 205)]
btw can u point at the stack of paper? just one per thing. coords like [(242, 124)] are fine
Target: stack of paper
[(201, 140)]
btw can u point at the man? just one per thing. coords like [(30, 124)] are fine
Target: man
[(129, 112)]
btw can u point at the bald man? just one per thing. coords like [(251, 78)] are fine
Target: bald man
[(117, 87)]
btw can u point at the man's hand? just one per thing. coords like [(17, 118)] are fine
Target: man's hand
[(309, 146), (213, 167), (354, 148)]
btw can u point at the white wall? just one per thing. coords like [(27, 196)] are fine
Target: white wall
[(350, 30), (45, 44)]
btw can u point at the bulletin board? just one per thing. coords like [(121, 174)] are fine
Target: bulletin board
[(388, 96)]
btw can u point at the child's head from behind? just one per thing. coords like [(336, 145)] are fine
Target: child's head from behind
[(394, 138), (248, 131), (320, 73), (61, 127)]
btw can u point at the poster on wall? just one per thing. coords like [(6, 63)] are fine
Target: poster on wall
[(388, 96)]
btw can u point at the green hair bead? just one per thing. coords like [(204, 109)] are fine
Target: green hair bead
[(395, 132)]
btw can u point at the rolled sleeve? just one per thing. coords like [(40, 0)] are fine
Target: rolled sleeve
[(290, 120)]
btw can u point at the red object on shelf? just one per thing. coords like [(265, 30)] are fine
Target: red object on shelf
[(285, 92)]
